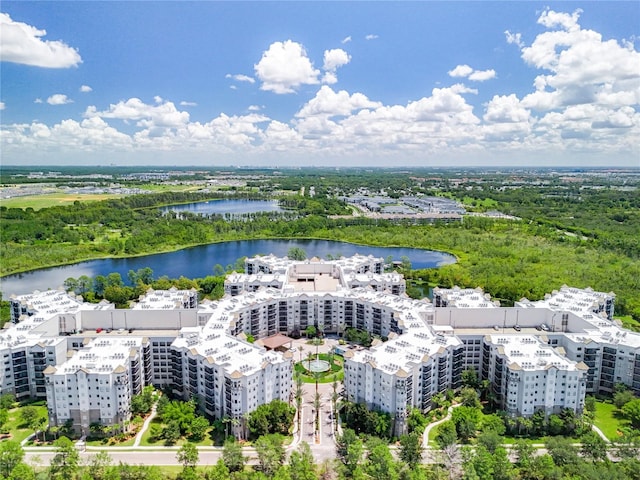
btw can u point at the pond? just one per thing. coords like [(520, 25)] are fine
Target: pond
[(225, 207), (197, 262)]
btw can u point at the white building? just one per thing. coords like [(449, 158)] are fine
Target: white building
[(537, 355), (96, 383)]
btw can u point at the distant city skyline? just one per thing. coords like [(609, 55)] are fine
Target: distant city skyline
[(349, 84)]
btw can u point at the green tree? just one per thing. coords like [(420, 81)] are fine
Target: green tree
[(65, 463), (621, 397), (302, 463), (446, 435), (469, 397), (411, 449), (188, 456), (350, 450), (218, 472), (7, 400), (22, 471), (380, 464), (466, 420), (490, 440), (470, 378), (562, 451), (11, 454), (271, 453), (593, 446), (296, 253), (631, 410), (4, 418), (198, 428), (232, 455), (100, 466)]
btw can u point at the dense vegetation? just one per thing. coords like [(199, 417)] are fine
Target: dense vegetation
[(572, 235)]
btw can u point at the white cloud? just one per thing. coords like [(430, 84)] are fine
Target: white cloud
[(461, 71), (2, 106), (330, 103), (371, 36), (160, 115), (474, 75), (333, 59), (86, 89), (506, 109), (329, 78), (233, 87), (482, 75), (582, 107), (514, 38), (188, 104), (241, 78), (550, 19), (58, 99), (284, 67), (22, 43), (157, 99), (346, 40), (37, 100), (582, 67)]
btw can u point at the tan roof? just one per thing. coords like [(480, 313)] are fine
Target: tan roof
[(49, 370), (276, 341), (236, 374), (120, 369)]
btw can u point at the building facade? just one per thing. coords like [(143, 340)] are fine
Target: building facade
[(87, 360)]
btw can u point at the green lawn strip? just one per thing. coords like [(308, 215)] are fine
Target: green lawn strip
[(146, 441), (17, 429), (336, 373), (629, 323), (609, 420)]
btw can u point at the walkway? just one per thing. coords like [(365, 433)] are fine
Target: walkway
[(145, 426)]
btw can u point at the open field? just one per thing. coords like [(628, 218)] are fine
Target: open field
[(52, 199), (609, 420)]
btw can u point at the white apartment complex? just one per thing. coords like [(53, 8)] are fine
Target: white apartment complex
[(537, 355)]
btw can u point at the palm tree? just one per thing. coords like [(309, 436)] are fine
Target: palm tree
[(317, 404)]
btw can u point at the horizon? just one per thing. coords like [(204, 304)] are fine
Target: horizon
[(365, 84)]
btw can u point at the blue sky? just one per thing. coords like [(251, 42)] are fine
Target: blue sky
[(320, 83)]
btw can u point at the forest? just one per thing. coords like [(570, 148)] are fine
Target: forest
[(579, 233)]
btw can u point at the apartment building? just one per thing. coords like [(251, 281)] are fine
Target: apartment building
[(537, 355)]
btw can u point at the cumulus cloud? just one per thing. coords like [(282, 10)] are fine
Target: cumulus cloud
[(159, 115), (188, 104), (371, 36), (461, 71), (2, 106), (330, 103), (37, 100), (506, 109), (284, 67), (58, 99), (482, 75), (514, 38), (22, 43), (333, 59), (584, 100), (471, 74), (581, 67), (241, 78), (346, 40), (86, 89)]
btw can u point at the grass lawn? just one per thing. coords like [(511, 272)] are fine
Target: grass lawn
[(629, 322), (148, 442), (50, 200), (609, 420), (17, 429), (336, 372)]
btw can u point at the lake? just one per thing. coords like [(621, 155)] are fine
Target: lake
[(226, 207), (199, 261)]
